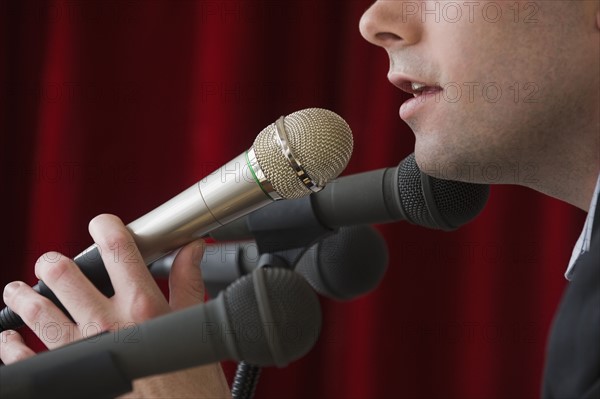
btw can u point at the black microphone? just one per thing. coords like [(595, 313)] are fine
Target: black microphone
[(293, 157), (341, 266), (379, 196), (270, 317)]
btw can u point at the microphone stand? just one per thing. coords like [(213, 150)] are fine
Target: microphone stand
[(96, 376)]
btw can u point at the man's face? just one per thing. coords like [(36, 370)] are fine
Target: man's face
[(505, 82)]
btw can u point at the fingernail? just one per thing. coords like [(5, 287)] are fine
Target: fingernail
[(11, 288), (5, 334)]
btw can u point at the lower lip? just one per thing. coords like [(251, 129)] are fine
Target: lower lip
[(413, 105)]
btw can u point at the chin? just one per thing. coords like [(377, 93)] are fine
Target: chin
[(431, 160), (448, 163)]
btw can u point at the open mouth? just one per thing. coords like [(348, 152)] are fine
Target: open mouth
[(423, 93), (418, 89)]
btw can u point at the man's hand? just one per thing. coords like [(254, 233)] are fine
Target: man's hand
[(137, 298)]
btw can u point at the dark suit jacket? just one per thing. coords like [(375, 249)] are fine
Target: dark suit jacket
[(573, 354)]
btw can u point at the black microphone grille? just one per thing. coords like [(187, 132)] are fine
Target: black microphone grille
[(347, 264), (436, 203), (275, 316)]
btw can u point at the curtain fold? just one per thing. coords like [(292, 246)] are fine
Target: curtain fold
[(116, 106)]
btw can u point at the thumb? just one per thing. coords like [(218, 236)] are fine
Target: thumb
[(186, 287)]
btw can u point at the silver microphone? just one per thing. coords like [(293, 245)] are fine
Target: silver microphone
[(291, 158)]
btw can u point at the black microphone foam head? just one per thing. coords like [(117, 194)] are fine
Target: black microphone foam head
[(275, 314), (347, 264), (436, 203)]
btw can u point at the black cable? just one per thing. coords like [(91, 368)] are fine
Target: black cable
[(245, 381)]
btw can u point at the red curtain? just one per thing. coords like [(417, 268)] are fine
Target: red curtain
[(116, 106)]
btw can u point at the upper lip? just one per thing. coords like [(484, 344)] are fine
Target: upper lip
[(405, 82)]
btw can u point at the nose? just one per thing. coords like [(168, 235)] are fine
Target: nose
[(391, 23)]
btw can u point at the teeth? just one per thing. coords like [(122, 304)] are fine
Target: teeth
[(417, 86)]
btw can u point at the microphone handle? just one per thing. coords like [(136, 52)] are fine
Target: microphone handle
[(90, 263), (365, 198), (221, 264), (191, 337), (246, 322)]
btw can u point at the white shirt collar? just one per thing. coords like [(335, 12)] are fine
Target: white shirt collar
[(583, 243)]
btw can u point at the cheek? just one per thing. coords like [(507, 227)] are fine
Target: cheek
[(463, 47), (477, 48)]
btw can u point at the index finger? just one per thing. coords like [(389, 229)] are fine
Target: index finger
[(126, 268)]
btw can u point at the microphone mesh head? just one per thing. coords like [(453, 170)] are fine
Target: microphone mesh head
[(411, 193), (296, 316), (320, 140), (442, 204), (347, 264)]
